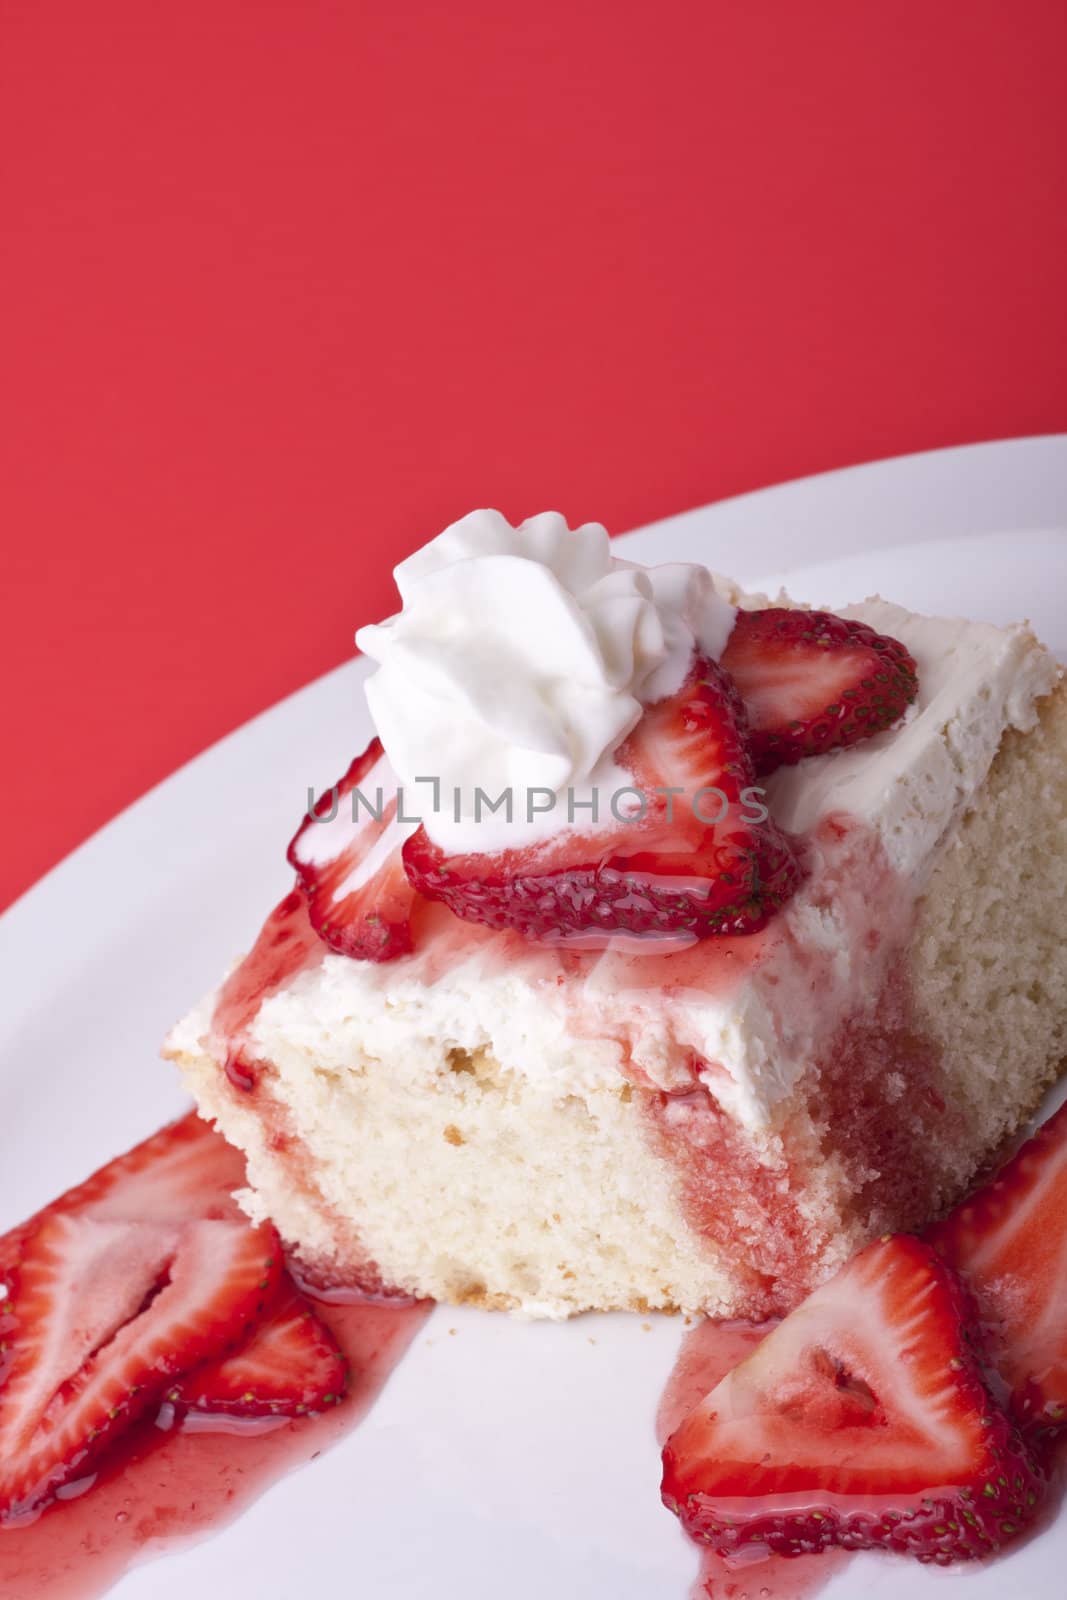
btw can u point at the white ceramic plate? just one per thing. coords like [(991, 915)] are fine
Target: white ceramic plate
[(509, 1459)]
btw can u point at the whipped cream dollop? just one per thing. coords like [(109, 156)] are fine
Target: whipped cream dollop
[(519, 663)]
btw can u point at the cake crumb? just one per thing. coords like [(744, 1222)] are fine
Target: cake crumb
[(453, 1135), (646, 1327)]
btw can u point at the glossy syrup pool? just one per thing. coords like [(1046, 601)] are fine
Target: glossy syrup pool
[(773, 1578), (162, 1488)]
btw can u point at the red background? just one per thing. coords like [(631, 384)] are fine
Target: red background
[(288, 286)]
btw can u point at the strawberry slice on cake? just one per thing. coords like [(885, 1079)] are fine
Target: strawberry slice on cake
[(700, 855), (347, 860), (813, 682), (861, 1420), (697, 856)]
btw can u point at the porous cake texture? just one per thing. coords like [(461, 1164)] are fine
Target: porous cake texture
[(715, 1129)]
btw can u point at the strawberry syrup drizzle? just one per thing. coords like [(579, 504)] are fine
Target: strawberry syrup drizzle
[(159, 1489), (879, 1108), (873, 1082), (350, 1275), (887, 1110), (287, 944), (734, 1197), (707, 1354)]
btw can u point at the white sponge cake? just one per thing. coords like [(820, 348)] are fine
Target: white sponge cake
[(714, 1127)]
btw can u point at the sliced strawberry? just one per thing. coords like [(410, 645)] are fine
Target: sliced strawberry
[(705, 859), (812, 682), (288, 1365), (861, 1420), (184, 1171), (348, 862), (1009, 1241), (106, 1315)]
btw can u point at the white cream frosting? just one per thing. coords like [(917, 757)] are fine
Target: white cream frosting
[(520, 661), (913, 781), (572, 1033)]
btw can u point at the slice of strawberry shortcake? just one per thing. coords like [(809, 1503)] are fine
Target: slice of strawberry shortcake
[(664, 946)]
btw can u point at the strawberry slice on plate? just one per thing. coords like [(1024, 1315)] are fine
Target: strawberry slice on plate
[(348, 863), (184, 1171), (287, 1366), (1009, 1242), (861, 1420), (703, 858), (812, 682), (106, 1315)]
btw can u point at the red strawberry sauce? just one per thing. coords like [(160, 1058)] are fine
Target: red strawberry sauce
[(159, 1489), (287, 944), (773, 1579)]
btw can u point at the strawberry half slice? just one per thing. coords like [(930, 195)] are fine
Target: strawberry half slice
[(705, 859), (288, 1365), (861, 1420), (106, 1315), (812, 682), (1009, 1241), (347, 860), (184, 1171)]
